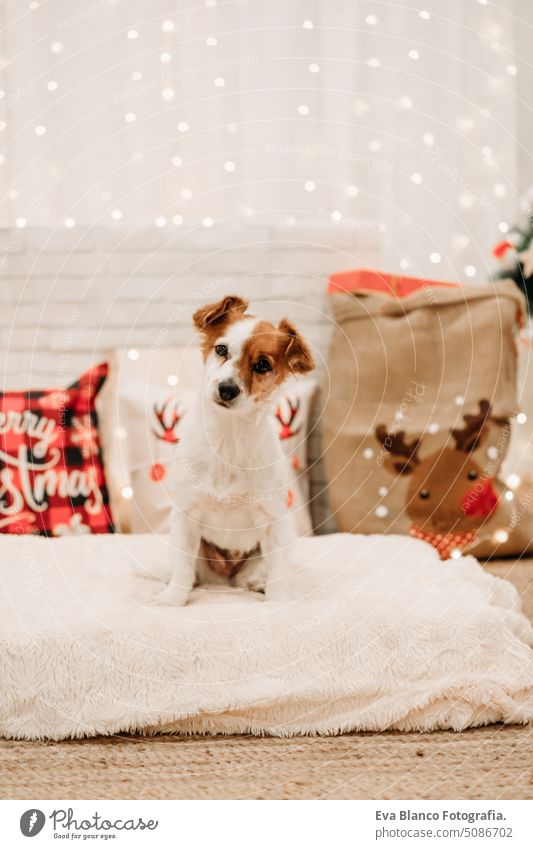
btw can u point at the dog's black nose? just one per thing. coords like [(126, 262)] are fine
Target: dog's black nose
[(228, 390)]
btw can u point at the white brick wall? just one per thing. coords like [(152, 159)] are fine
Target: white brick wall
[(66, 297)]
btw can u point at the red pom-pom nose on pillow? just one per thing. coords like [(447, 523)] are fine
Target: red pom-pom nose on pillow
[(52, 479), (481, 499)]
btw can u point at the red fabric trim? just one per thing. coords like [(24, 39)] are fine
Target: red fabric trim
[(501, 248), (363, 279)]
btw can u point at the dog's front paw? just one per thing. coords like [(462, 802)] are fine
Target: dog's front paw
[(173, 595)]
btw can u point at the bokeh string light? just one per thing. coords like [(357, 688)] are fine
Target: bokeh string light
[(347, 127)]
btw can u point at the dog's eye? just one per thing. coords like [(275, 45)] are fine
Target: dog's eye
[(424, 493), (221, 350), (472, 475), (262, 366)]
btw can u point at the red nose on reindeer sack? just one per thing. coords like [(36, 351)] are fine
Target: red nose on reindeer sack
[(480, 500)]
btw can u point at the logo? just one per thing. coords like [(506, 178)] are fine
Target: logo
[(32, 822), (64, 824)]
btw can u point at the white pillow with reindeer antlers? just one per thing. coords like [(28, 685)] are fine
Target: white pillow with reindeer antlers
[(149, 396)]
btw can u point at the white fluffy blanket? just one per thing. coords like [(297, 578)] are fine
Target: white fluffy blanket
[(380, 634)]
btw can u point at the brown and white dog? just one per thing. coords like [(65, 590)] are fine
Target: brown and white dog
[(230, 520)]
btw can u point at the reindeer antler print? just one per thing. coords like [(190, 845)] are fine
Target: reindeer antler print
[(167, 417), (396, 446), (468, 438), (286, 430)]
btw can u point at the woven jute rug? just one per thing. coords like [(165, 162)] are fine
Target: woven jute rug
[(484, 763)]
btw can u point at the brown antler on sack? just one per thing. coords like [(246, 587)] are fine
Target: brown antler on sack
[(469, 437), (396, 446)]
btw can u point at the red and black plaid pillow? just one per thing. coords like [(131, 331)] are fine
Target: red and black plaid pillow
[(52, 479)]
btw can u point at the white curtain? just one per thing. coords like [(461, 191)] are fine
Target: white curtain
[(191, 114)]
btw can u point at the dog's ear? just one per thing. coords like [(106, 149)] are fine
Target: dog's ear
[(295, 349), (219, 314)]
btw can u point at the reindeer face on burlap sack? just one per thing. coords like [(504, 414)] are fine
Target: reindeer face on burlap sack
[(450, 491)]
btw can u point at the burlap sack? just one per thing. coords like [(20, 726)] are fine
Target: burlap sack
[(418, 419), (518, 464)]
